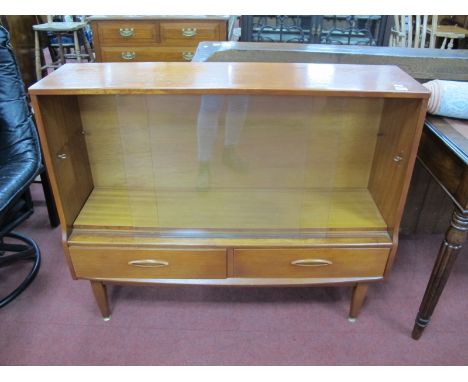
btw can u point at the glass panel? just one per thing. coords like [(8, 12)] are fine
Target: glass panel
[(231, 165)]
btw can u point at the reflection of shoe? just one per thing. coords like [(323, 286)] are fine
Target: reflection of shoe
[(203, 180), (231, 159)]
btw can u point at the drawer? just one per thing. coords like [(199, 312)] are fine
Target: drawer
[(124, 33), (317, 262), (147, 54), (190, 33), (97, 262)]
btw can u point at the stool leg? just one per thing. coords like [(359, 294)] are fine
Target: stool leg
[(87, 46), (77, 46), (60, 46), (37, 52)]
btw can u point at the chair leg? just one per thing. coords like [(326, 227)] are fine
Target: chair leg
[(31, 251), (49, 199), (443, 43)]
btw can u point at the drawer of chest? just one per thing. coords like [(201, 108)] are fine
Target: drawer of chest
[(189, 33), (98, 262), (123, 33), (316, 262), (147, 54)]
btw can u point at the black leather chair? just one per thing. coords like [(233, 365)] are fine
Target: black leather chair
[(20, 163)]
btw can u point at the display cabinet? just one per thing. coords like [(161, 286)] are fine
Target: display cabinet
[(234, 174)]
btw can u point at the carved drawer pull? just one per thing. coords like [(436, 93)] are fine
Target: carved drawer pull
[(148, 263), (311, 263), (187, 56), (189, 32), (128, 55), (126, 32)]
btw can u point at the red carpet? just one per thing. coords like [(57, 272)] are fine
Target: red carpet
[(56, 321)]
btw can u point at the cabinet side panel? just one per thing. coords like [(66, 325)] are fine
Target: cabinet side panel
[(394, 157), (65, 154)]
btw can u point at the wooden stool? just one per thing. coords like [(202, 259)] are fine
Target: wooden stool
[(60, 29)]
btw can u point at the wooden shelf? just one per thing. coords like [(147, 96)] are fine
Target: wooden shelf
[(260, 211)]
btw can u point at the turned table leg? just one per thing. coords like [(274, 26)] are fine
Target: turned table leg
[(454, 239), (100, 294), (359, 294)]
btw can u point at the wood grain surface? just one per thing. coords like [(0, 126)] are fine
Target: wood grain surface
[(231, 78)]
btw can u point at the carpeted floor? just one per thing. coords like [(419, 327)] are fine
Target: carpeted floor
[(56, 321)]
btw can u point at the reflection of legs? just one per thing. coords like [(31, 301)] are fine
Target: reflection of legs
[(235, 119), (207, 126)]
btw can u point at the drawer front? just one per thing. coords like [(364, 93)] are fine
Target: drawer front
[(189, 33), (123, 33), (147, 54), (97, 262), (317, 262)]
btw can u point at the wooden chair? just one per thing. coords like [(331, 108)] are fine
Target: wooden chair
[(448, 32), (410, 32), (418, 32)]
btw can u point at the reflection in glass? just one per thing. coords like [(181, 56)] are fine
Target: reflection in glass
[(231, 165), (207, 128)]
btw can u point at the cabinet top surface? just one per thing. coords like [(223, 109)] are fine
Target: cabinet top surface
[(156, 17), (231, 78)]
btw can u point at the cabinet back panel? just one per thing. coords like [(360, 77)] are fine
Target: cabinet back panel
[(272, 142)]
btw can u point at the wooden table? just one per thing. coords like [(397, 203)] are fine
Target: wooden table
[(443, 151)]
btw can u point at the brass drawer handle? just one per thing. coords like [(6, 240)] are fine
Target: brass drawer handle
[(311, 263), (128, 55), (187, 56), (148, 263), (189, 32), (126, 32)]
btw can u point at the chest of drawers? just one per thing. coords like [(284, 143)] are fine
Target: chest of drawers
[(234, 174), (154, 38)]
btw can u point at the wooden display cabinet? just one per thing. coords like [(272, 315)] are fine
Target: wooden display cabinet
[(236, 174)]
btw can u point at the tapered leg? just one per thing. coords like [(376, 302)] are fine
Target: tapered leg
[(454, 239), (100, 294), (359, 294)]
